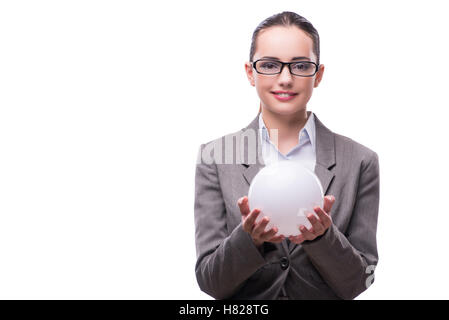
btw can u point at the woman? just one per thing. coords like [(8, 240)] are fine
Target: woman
[(238, 258)]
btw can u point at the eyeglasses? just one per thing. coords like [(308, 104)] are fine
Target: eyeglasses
[(301, 68)]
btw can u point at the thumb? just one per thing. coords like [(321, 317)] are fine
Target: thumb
[(328, 203), (243, 206)]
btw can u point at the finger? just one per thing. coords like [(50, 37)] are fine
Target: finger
[(268, 235), (328, 203), (297, 239), (259, 229), (243, 205), (325, 218), (308, 234), (317, 226), (277, 239), (248, 222)]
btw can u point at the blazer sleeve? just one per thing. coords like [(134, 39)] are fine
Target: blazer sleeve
[(225, 259), (347, 263)]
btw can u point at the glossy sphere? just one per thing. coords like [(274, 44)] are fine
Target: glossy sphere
[(285, 191)]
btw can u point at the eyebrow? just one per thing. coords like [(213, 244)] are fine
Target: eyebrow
[(295, 58)]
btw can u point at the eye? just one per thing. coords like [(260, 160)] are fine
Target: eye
[(302, 66), (269, 65)]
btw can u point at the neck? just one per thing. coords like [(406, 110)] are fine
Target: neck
[(288, 125)]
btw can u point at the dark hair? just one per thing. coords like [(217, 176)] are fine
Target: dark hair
[(287, 19)]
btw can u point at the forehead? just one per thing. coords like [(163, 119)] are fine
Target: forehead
[(284, 43)]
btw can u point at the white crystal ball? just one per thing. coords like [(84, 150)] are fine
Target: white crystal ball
[(285, 192)]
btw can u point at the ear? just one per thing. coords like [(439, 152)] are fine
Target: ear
[(319, 75), (249, 73)]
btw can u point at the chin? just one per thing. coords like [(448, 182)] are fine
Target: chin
[(286, 110)]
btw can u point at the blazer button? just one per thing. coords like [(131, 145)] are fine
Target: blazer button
[(284, 263)]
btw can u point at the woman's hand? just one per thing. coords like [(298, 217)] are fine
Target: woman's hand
[(257, 230), (319, 225)]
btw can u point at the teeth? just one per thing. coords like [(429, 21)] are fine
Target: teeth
[(283, 94)]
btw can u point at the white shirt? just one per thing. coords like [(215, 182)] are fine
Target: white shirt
[(304, 152)]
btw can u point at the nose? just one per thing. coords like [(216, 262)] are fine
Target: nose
[(285, 77)]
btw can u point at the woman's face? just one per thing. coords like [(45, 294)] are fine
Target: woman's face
[(284, 43)]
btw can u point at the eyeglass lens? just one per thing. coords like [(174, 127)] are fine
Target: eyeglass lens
[(303, 68)]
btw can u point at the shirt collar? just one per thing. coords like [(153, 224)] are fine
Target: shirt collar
[(309, 129)]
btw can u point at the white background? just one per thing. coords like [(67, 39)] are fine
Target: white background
[(103, 105)]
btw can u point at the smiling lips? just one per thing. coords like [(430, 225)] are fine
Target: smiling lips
[(284, 95)]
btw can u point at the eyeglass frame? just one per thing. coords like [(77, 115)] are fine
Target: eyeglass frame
[(317, 66)]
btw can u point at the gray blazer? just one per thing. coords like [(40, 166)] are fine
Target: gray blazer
[(337, 265)]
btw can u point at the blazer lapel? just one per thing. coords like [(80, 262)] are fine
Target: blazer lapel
[(249, 154), (325, 154), (325, 158)]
